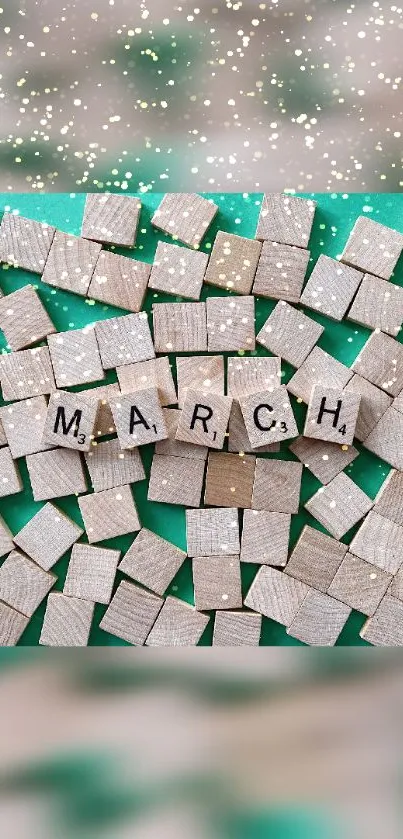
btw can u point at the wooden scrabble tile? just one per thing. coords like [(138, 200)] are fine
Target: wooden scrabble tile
[(10, 481), (380, 542), (184, 216), (3, 438), (217, 582), (144, 374), (265, 537), (339, 505), (180, 327), (389, 500), (275, 595), (138, 418), (174, 447), (12, 625), (110, 467), (268, 417), (56, 473), (233, 262), (238, 440), (67, 621), (47, 536), (212, 532), (119, 281), (373, 247), (199, 372), (319, 620), (324, 460), (397, 403), (23, 423), (277, 486), (237, 629), (230, 323), (396, 585), (359, 585), (229, 480), (385, 627), (23, 585), (374, 403), (124, 339), (23, 318), (286, 219), (385, 439), (26, 373), (281, 272), (176, 480), (178, 271), (71, 262), (319, 368), (315, 559), (178, 625), (381, 362), (75, 357), (289, 333), (331, 287), (152, 561), (6, 538), (101, 395), (131, 613), (112, 219), (110, 513), (332, 415), (25, 243), (246, 375), (379, 305), (91, 573), (204, 419), (70, 421)]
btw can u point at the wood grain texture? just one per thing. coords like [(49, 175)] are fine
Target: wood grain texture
[(339, 505), (396, 585), (185, 216), (200, 372), (178, 625), (397, 403), (10, 479), (176, 480), (252, 374), (380, 542), (268, 417), (178, 271), (217, 582), (101, 395), (212, 532), (110, 467), (286, 219), (229, 480), (265, 537), (385, 439), (6, 538), (209, 415), (153, 373), (67, 621), (373, 247), (71, 262), (275, 595), (152, 561), (138, 418), (277, 486), (26, 373), (12, 625), (335, 427), (110, 513), (281, 272), (119, 281), (238, 440), (112, 219), (324, 460), (75, 357), (385, 627), (319, 368), (3, 438), (374, 403), (23, 585), (23, 423), (91, 573), (289, 333), (389, 500), (230, 323), (131, 613), (47, 536), (378, 305), (315, 559), (319, 620), (174, 447), (70, 421), (331, 287), (359, 585), (237, 629), (180, 327), (23, 319), (25, 243), (381, 362), (56, 473), (124, 339), (233, 262)]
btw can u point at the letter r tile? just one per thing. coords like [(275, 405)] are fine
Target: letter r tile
[(204, 419)]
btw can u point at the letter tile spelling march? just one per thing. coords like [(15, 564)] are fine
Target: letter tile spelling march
[(207, 392)]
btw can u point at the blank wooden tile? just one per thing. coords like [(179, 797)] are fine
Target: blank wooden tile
[(378, 305), (26, 373), (281, 272), (152, 561), (319, 620), (359, 585), (23, 319), (275, 595), (153, 373), (268, 417), (184, 216), (289, 333), (331, 287), (277, 486), (229, 480), (237, 629), (385, 439), (47, 536), (339, 505), (265, 537), (176, 480), (180, 327), (178, 625), (70, 263), (233, 262), (246, 375), (319, 368), (374, 403), (110, 513), (6, 538), (204, 419), (91, 573), (332, 415), (124, 339), (56, 473), (315, 559), (23, 423), (286, 218), (138, 418), (212, 532), (396, 585), (70, 421), (67, 621), (112, 219), (75, 357), (178, 271), (381, 362), (110, 467), (380, 542), (230, 323), (217, 582), (104, 420), (25, 243), (385, 627), (10, 480), (12, 625), (373, 247), (199, 372), (131, 613), (174, 447), (238, 440), (23, 585), (119, 281), (324, 460), (389, 500)]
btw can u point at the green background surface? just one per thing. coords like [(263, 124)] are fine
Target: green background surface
[(334, 218)]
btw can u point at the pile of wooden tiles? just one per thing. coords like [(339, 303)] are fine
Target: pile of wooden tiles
[(94, 434)]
